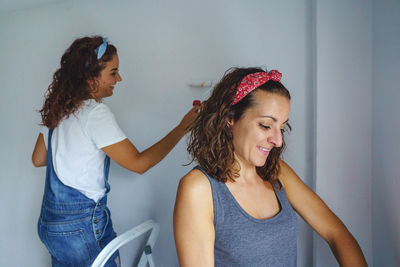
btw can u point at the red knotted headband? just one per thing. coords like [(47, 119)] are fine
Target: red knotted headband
[(253, 81)]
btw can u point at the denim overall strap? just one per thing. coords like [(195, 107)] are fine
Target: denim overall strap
[(106, 172), (71, 221), (56, 191)]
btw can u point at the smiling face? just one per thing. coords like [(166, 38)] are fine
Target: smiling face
[(107, 79), (259, 130)]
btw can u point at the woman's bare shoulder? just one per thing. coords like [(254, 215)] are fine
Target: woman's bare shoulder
[(195, 181), (194, 198), (286, 173)]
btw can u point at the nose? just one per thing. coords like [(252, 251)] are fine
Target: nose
[(276, 138), (119, 78)]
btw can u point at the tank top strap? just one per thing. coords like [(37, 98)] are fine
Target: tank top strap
[(214, 182), (282, 197)]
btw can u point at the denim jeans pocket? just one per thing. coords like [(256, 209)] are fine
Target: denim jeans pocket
[(69, 247)]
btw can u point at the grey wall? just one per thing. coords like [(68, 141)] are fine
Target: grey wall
[(162, 45), (344, 118), (386, 133)]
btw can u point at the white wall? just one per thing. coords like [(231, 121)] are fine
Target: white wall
[(386, 133), (161, 47), (339, 59), (343, 118)]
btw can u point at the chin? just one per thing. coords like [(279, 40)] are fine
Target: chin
[(260, 163)]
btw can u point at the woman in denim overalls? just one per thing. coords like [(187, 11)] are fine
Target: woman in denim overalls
[(81, 137)]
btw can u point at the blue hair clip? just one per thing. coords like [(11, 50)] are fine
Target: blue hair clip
[(101, 49)]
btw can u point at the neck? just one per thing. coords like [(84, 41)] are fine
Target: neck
[(247, 172), (96, 98)]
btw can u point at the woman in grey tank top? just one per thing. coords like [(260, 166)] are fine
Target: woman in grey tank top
[(237, 207)]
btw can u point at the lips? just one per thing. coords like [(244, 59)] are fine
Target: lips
[(263, 150)]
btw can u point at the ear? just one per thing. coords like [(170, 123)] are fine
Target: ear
[(93, 84), (229, 122)]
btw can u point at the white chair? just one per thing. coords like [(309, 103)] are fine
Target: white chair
[(128, 236)]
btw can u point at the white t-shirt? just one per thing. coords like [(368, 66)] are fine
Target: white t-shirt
[(76, 147)]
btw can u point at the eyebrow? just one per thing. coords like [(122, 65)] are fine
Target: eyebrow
[(273, 118), (114, 69)]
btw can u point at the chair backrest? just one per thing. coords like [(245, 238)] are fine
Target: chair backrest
[(128, 236)]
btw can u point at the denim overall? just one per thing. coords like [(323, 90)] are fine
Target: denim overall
[(73, 227)]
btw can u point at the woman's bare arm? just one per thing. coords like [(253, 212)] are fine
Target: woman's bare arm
[(39, 154), (317, 214), (193, 221), (125, 153)]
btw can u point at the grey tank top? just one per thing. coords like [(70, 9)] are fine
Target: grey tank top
[(242, 240)]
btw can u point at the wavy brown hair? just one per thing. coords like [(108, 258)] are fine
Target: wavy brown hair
[(211, 141), (70, 85)]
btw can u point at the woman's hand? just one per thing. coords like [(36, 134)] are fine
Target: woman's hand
[(189, 117)]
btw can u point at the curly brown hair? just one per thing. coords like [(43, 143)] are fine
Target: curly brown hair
[(70, 85), (210, 141)]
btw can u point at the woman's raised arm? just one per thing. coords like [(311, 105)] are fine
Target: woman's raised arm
[(125, 153)]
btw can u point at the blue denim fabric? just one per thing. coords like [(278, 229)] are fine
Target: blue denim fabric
[(73, 227)]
